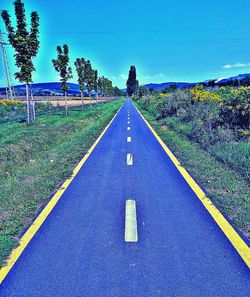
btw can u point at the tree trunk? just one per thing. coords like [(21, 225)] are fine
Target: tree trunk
[(90, 98), (27, 103), (33, 108), (66, 103), (31, 114), (96, 97), (82, 99)]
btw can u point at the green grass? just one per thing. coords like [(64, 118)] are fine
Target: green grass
[(35, 159), (227, 188), (235, 154)]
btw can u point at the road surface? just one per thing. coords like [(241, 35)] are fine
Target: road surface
[(80, 249)]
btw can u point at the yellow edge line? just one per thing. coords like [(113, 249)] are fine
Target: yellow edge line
[(26, 238), (238, 243)]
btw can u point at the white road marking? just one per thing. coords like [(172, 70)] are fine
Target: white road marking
[(128, 128), (128, 122), (129, 139), (129, 159), (131, 233)]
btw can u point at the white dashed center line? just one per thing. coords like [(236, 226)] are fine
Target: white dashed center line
[(129, 129), (129, 159), (129, 139), (131, 233)]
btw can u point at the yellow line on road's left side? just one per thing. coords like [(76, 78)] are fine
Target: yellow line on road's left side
[(26, 238)]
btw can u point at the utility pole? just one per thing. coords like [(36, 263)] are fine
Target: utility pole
[(10, 93)]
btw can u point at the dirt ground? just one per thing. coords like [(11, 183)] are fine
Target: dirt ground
[(72, 102), (59, 100)]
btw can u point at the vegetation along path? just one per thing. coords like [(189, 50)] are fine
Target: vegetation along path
[(131, 222)]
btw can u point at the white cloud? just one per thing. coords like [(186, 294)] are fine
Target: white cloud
[(236, 65), (124, 76)]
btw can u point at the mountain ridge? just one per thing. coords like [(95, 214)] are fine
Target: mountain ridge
[(54, 88)]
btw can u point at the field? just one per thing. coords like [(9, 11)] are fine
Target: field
[(36, 159), (43, 105), (208, 132)]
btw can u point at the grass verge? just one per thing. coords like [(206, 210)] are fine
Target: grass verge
[(227, 188), (36, 159)]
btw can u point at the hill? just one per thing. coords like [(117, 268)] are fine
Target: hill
[(42, 89), (54, 88), (161, 86)]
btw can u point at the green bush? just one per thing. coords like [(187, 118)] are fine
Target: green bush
[(235, 109)]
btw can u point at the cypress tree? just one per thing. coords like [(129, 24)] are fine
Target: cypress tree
[(132, 82)]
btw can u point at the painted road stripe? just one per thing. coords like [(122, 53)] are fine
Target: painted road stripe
[(129, 129), (129, 139), (235, 239), (128, 122), (26, 238), (129, 159), (131, 234)]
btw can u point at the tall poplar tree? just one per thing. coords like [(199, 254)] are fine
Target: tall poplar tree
[(132, 82), (89, 73), (96, 83), (79, 64), (26, 45), (61, 65)]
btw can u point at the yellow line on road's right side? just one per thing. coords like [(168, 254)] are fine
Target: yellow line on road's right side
[(238, 243)]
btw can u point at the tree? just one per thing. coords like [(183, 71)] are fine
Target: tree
[(89, 77), (101, 85), (170, 89), (152, 91), (105, 86), (96, 82), (117, 92), (61, 65), (132, 82), (142, 91), (79, 64), (26, 45)]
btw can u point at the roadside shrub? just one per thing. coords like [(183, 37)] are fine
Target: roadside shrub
[(202, 95), (235, 110)]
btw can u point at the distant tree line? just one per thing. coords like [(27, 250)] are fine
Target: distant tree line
[(243, 82)]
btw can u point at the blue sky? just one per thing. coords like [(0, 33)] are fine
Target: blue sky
[(167, 40)]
